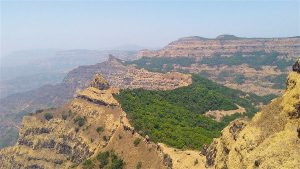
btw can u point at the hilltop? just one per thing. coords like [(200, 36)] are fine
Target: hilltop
[(14, 107), (256, 65), (199, 47), (85, 133)]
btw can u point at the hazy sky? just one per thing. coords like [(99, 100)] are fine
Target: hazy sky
[(109, 24)]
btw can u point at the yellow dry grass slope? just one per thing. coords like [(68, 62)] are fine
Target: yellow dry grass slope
[(270, 140)]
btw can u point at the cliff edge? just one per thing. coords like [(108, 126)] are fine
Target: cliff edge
[(270, 140)]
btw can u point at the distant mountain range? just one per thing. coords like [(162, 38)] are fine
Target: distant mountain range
[(200, 47)]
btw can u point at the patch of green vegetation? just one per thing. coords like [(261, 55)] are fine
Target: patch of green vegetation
[(48, 116), (136, 142), (239, 79), (100, 129), (116, 162), (103, 158), (161, 64), (88, 164), (255, 60), (9, 137), (110, 160), (80, 121), (279, 81), (175, 117)]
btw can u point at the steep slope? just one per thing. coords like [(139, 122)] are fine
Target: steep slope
[(257, 65), (91, 123), (177, 117), (226, 45), (270, 140), (13, 108)]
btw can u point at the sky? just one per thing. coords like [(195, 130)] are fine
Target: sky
[(150, 24)]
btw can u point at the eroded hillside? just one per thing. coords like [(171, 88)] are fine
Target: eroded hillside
[(257, 65), (76, 134), (270, 140), (14, 107), (199, 47)]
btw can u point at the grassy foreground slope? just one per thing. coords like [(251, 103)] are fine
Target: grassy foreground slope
[(176, 117)]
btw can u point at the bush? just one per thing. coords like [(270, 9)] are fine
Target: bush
[(103, 158), (116, 163), (196, 162), (48, 116), (88, 164), (39, 111), (80, 121), (100, 129), (105, 138), (139, 165), (136, 142)]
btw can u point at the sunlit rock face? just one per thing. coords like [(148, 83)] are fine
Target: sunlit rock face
[(91, 123), (226, 45), (270, 140)]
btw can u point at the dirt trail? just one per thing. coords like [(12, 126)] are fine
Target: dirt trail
[(182, 159), (219, 114)]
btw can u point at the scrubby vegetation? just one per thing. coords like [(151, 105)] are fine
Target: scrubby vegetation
[(239, 79), (136, 142), (88, 164), (80, 121), (48, 116), (162, 64), (176, 117), (100, 129), (279, 81), (139, 165), (255, 60), (109, 160)]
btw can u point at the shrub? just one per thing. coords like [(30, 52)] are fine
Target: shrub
[(105, 138), (88, 164), (48, 116), (116, 163), (196, 162), (100, 129), (103, 158), (139, 165), (64, 116), (80, 121), (39, 111), (136, 142)]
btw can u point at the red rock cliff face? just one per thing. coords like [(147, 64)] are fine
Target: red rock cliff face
[(226, 45)]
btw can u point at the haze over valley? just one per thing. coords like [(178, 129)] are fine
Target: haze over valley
[(199, 85)]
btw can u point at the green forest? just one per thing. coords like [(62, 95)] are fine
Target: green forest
[(161, 64), (176, 117), (255, 60)]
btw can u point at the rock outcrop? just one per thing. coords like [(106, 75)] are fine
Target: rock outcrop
[(118, 75), (226, 45), (270, 140), (296, 67), (89, 124)]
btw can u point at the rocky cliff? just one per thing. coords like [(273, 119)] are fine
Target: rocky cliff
[(118, 75), (226, 45), (270, 140), (91, 123)]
